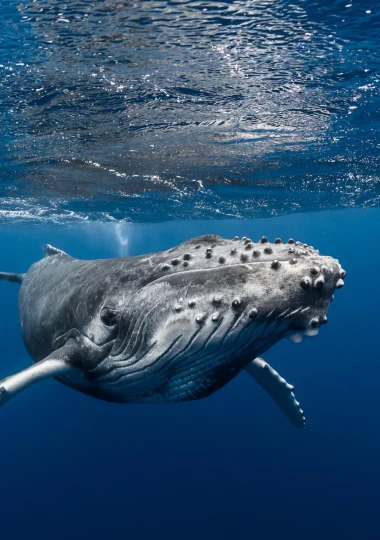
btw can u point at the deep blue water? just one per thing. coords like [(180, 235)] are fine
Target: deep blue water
[(128, 127), (229, 466)]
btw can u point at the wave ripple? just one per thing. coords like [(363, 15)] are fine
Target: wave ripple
[(145, 109)]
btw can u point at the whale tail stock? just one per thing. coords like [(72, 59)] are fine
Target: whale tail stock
[(13, 278)]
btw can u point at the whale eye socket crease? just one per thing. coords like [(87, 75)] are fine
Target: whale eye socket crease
[(175, 325)]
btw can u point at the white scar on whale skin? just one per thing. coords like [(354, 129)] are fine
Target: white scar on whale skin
[(174, 325), (297, 337)]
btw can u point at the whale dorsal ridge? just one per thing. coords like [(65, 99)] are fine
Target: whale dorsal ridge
[(51, 250)]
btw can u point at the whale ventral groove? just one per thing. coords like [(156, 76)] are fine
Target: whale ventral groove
[(175, 325)]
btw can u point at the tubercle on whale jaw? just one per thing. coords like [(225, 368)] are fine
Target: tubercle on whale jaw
[(303, 321), (318, 276)]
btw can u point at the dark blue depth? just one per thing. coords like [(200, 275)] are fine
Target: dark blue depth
[(229, 466)]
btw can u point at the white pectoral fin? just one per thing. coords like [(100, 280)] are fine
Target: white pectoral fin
[(57, 363), (277, 387)]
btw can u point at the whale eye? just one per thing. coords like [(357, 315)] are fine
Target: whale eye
[(108, 316)]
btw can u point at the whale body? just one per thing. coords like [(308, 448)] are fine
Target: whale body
[(175, 325)]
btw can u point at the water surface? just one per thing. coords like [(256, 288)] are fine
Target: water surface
[(148, 109)]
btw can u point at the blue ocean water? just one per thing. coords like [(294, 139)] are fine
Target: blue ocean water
[(128, 127), (229, 466)]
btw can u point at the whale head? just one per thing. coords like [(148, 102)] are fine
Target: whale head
[(210, 306)]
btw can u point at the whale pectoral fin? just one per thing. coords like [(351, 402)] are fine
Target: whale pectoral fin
[(13, 278), (277, 387), (57, 363)]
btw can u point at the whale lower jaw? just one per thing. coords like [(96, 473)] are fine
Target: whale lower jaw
[(297, 336)]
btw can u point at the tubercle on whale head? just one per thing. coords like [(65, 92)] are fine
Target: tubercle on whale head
[(290, 284), (318, 276), (212, 250)]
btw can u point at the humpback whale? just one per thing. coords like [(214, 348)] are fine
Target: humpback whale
[(175, 325)]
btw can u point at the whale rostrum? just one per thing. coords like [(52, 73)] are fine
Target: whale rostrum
[(175, 325)]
